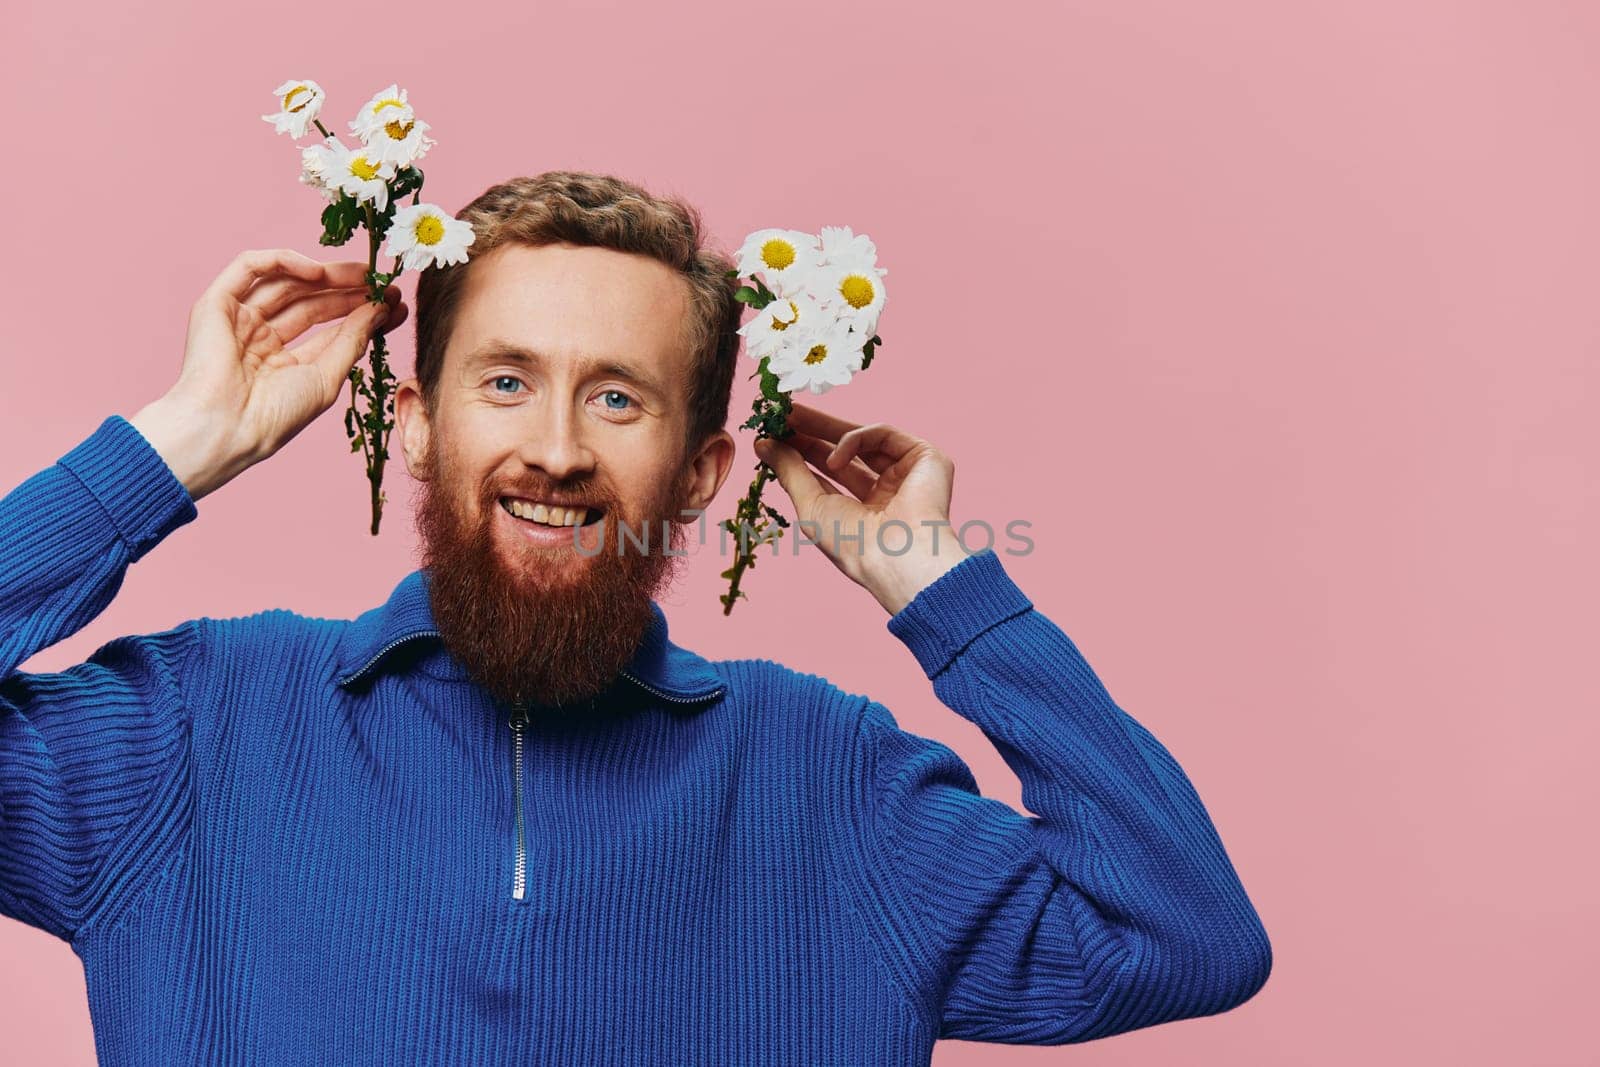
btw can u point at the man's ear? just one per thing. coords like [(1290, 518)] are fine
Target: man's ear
[(411, 420), (709, 469)]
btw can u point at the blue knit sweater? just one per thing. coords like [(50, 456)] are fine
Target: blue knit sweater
[(284, 839)]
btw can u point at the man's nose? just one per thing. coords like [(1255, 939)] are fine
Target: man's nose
[(555, 442)]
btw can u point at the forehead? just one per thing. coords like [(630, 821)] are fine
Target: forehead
[(578, 304)]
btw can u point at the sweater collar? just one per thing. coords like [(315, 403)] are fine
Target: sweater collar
[(370, 643)]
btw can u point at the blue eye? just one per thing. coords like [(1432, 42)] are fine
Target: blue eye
[(505, 378), (615, 392)]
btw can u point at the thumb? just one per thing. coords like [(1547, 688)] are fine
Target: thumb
[(797, 479), (349, 342)]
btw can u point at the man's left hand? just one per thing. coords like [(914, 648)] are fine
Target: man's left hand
[(892, 480)]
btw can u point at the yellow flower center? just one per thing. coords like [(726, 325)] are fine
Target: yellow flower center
[(430, 231), (398, 130), (817, 354), (779, 324), (363, 169), (381, 104), (857, 290), (296, 91), (777, 253)]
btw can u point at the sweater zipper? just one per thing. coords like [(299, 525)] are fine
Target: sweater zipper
[(376, 656), (519, 879), (669, 697), (519, 720)]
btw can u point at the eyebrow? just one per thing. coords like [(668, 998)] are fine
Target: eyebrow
[(499, 351)]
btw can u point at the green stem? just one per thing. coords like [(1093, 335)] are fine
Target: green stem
[(747, 513), (370, 429), (771, 421)]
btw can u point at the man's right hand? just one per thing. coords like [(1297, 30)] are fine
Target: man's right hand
[(242, 393)]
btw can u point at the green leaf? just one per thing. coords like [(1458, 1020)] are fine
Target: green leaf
[(339, 220), (384, 218), (406, 180), (769, 384)]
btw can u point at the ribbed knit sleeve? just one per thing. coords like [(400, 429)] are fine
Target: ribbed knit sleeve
[(85, 753), (1113, 907)]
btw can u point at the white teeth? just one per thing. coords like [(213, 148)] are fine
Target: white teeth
[(549, 516)]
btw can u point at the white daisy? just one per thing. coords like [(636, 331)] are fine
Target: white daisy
[(839, 243), (390, 129), (764, 334), (315, 160), (423, 235), (785, 259), (299, 103), (352, 172), (857, 341), (385, 105), (853, 289), (401, 141), (817, 359)]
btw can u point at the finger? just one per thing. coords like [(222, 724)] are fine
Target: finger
[(879, 445), (879, 437), (300, 316), (306, 312), (347, 345), (398, 310), (797, 479), (818, 423), (237, 277), (271, 295), (853, 475)]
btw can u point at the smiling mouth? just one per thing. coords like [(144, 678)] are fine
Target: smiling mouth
[(556, 518)]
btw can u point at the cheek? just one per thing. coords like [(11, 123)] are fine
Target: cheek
[(469, 481), (656, 472), (667, 489), (483, 450)]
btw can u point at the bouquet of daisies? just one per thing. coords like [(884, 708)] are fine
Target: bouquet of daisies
[(817, 297), (363, 186)]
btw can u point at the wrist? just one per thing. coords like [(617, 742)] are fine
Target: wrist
[(905, 576), (192, 443)]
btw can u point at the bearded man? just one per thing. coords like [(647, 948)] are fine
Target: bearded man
[(502, 817)]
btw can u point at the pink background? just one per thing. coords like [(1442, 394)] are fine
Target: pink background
[(1276, 320)]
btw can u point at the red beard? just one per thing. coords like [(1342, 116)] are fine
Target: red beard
[(544, 625)]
